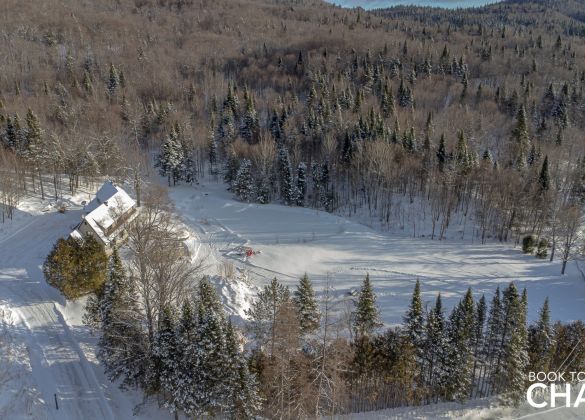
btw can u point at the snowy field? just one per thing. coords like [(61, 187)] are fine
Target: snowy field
[(48, 353), (294, 240)]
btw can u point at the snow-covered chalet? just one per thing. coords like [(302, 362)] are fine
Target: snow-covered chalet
[(106, 216)]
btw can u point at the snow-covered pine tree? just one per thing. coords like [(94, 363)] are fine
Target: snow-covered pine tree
[(288, 191), (226, 129), (10, 135), (166, 360), (213, 155), (435, 343), (243, 400), (387, 102), (414, 320), (34, 149), (458, 361), (33, 136), (231, 167), (275, 126), (366, 317), (188, 353), (113, 79), (514, 359), (209, 388), (541, 341), (307, 307), (121, 347), (262, 313), (442, 153), (187, 170), (301, 183), (462, 155), (249, 126), (478, 341), (492, 350), (244, 186), (543, 178), (171, 156), (232, 100)]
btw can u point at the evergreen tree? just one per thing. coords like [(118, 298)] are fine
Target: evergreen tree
[(87, 82), (478, 338), (414, 319), (301, 183), (243, 185), (262, 313), (10, 135), (249, 127), (170, 158), (288, 191), (520, 133), (121, 347), (307, 307), (514, 347), (232, 166), (226, 129), (113, 79), (404, 95), (458, 363), (210, 390), (543, 178), (442, 153), (492, 349), (243, 400), (274, 125), (188, 355), (434, 345), (166, 360), (387, 103), (541, 341), (33, 137), (462, 155), (367, 315), (76, 267)]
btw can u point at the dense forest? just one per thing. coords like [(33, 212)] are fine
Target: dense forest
[(415, 118), (401, 114)]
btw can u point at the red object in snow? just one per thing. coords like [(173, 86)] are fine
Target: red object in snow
[(249, 252)]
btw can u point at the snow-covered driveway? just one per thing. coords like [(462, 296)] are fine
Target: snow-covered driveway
[(58, 364), (57, 345)]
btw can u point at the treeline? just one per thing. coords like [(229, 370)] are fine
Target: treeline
[(194, 363), (471, 118), (344, 365), (309, 356), (349, 133)]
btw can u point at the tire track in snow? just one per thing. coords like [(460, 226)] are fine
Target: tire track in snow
[(58, 364)]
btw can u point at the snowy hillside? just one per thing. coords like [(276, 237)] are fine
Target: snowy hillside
[(48, 354), (294, 240)]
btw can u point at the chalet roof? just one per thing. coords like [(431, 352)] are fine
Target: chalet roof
[(110, 203)]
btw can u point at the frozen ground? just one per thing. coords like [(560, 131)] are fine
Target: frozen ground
[(48, 352), (294, 240), (51, 354)]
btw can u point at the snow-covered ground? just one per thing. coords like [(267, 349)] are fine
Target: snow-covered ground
[(51, 357), (481, 409), (48, 353), (294, 240)]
